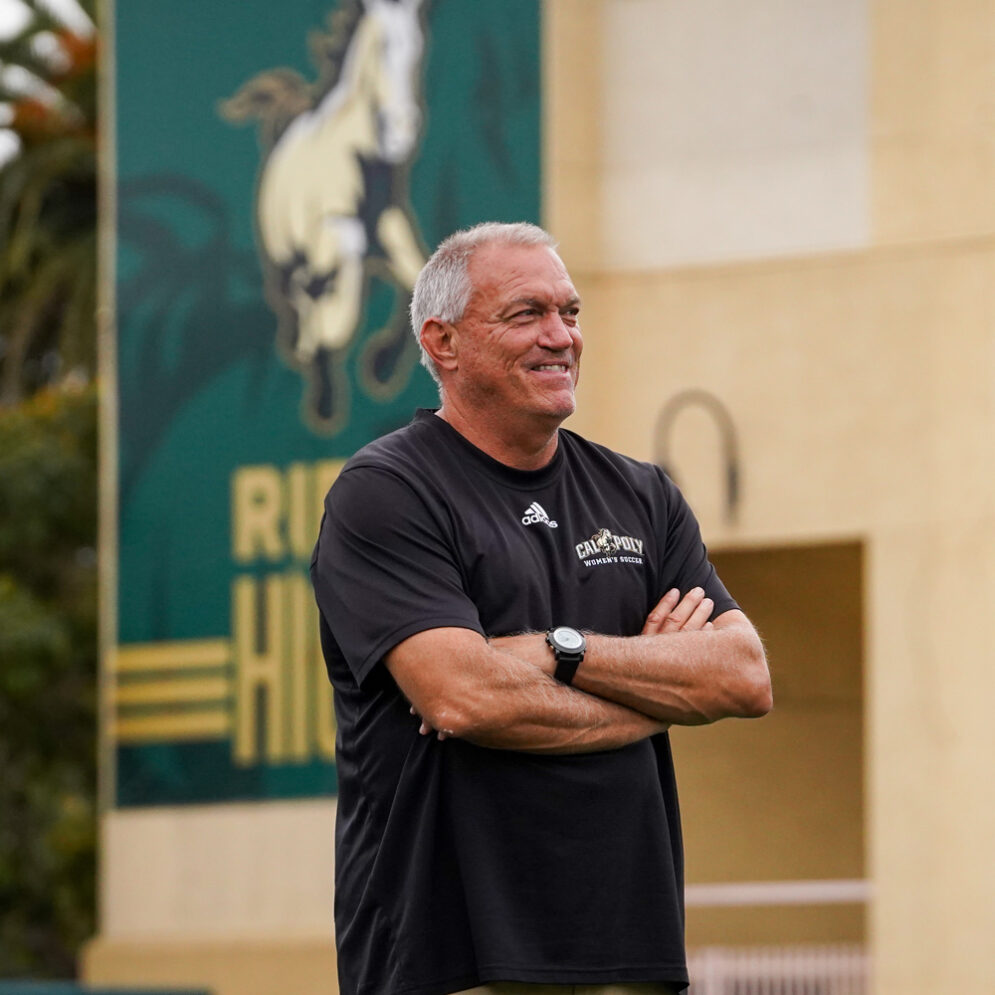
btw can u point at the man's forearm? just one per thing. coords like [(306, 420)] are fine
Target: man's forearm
[(499, 700), (685, 678), (551, 718), (681, 678)]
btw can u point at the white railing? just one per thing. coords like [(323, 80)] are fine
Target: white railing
[(841, 969), (845, 891), (795, 970)]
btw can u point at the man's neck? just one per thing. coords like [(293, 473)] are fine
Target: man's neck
[(530, 449)]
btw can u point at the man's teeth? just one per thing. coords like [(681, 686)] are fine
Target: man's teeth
[(559, 367)]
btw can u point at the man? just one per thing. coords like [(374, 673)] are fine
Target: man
[(546, 609)]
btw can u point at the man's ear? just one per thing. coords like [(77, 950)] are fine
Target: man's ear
[(440, 340)]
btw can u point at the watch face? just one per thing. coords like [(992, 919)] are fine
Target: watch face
[(567, 638)]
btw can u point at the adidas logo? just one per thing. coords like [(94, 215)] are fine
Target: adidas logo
[(535, 514)]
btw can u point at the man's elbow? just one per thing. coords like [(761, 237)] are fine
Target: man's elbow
[(758, 700), (756, 697)]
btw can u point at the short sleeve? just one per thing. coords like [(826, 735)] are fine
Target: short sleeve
[(685, 559), (383, 569)]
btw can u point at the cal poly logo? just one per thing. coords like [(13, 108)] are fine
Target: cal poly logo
[(332, 206), (607, 547)]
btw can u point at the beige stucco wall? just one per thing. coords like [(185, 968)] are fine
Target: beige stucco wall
[(236, 898), (274, 965), (732, 130), (933, 799), (933, 123)]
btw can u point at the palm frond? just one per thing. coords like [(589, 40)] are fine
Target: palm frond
[(48, 200)]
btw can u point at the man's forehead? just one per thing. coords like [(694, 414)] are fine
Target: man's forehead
[(518, 270)]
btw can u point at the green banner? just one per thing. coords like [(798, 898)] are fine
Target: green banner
[(282, 171)]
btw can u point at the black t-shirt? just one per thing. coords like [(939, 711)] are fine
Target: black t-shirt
[(458, 865)]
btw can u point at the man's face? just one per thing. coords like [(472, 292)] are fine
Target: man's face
[(519, 341)]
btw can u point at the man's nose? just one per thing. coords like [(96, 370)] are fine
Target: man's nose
[(555, 332)]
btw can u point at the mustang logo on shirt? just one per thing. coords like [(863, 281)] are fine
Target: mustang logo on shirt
[(607, 547)]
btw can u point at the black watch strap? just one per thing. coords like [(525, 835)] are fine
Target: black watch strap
[(566, 668), (569, 646)]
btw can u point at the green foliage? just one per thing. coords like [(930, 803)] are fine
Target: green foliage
[(48, 669), (48, 676), (48, 209)]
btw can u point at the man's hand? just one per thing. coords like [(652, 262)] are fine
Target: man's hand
[(674, 613), (426, 730)]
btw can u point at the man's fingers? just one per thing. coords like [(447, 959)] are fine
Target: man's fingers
[(688, 605), (698, 619), (659, 614), (674, 613), (426, 730)]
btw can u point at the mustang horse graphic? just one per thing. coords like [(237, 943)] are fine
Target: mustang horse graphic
[(332, 206), (606, 541)]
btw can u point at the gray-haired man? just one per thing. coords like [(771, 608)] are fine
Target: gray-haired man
[(546, 608)]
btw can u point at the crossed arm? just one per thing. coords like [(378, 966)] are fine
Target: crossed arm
[(682, 669)]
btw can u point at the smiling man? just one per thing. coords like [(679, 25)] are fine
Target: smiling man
[(512, 617)]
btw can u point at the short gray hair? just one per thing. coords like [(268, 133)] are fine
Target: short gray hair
[(443, 287)]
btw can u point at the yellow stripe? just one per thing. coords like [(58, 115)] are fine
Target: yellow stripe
[(163, 692), (185, 655), (187, 725)]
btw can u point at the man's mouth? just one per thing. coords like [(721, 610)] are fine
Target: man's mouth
[(552, 367)]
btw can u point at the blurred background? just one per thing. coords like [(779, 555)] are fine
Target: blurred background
[(48, 486), (780, 219)]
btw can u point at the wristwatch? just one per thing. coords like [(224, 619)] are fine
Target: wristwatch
[(568, 646)]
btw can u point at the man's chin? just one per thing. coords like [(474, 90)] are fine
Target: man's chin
[(561, 409)]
